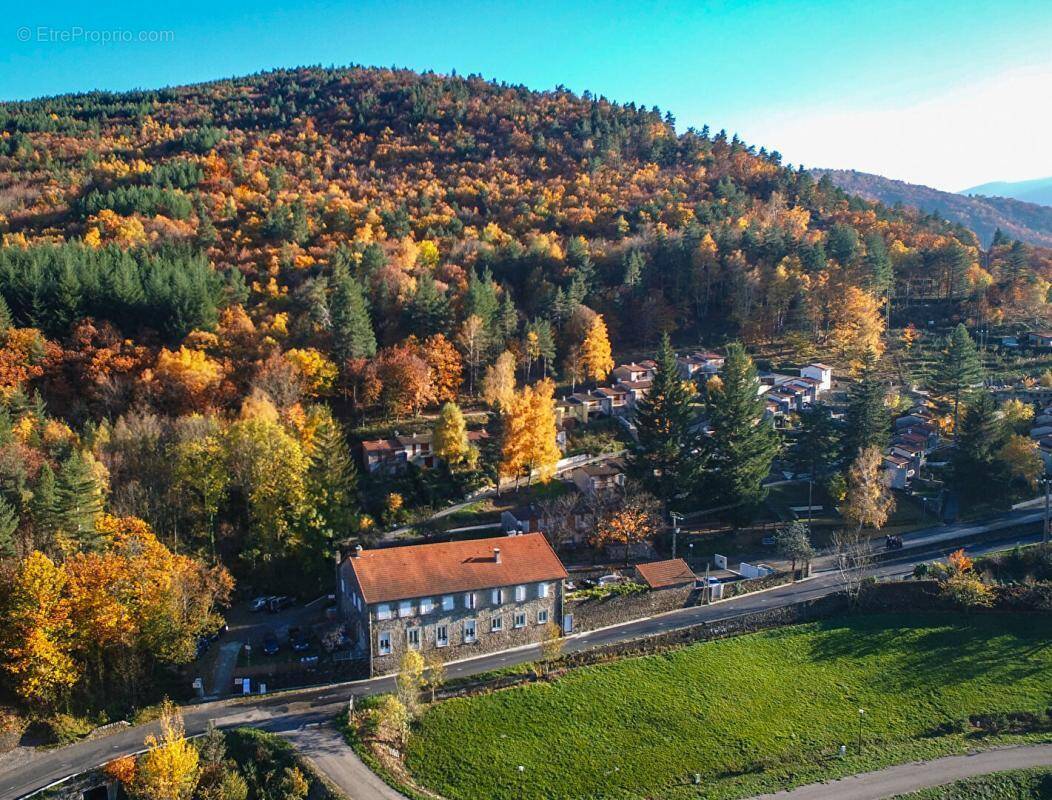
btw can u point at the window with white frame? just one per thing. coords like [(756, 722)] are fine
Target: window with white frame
[(405, 608), (498, 596), (542, 590), (470, 600), (412, 638), (383, 611), (447, 602), (383, 643), (469, 631), (496, 624), (441, 635), (427, 605), (542, 617), (520, 594), (520, 619)]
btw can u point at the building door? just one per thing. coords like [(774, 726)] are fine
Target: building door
[(568, 623)]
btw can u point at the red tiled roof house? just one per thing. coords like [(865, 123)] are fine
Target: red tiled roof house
[(457, 598)]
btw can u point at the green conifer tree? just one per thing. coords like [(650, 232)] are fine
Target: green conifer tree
[(743, 443)]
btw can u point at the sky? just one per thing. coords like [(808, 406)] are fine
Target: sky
[(948, 93)]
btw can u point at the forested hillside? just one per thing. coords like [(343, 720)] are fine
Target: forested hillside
[(1025, 221), (203, 287)]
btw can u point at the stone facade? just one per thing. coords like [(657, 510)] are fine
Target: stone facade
[(428, 615)]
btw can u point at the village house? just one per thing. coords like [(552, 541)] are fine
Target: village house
[(600, 478), (898, 471), (821, 373), (393, 455), (454, 599), (632, 372), (697, 365), (613, 400), (636, 390)]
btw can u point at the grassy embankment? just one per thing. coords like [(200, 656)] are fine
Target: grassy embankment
[(747, 714)]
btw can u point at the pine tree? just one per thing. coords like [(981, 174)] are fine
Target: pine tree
[(666, 457), (981, 436), (79, 502), (352, 330), (43, 509), (743, 444), (331, 486), (428, 312), (508, 320), (958, 371), (868, 420), (5, 316), (8, 526), (817, 447)]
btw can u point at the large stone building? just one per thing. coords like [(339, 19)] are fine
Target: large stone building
[(459, 598)]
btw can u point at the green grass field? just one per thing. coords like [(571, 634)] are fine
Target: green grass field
[(1023, 784), (747, 714)]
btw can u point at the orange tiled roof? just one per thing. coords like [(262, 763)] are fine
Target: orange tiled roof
[(423, 570), (663, 574)]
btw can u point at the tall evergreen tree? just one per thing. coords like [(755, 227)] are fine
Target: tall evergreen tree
[(331, 483), (818, 444), (958, 371), (667, 456), (8, 526), (79, 502), (352, 330), (868, 419), (743, 444), (428, 312), (43, 509), (982, 434)]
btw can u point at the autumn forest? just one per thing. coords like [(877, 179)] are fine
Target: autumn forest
[(210, 294)]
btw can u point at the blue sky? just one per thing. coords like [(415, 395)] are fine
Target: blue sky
[(946, 93)]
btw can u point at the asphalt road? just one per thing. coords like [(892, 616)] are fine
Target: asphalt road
[(905, 778), (288, 711)]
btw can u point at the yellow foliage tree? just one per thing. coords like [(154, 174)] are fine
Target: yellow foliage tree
[(450, 440), (595, 351), (530, 433), (170, 767), (38, 633), (858, 326), (316, 371), (498, 384), (1021, 456), (868, 501)]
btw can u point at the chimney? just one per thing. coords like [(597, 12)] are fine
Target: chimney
[(496, 555), (357, 550)]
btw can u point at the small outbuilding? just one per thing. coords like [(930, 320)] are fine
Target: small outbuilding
[(665, 574)]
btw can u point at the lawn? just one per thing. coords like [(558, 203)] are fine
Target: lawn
[(746, 714)]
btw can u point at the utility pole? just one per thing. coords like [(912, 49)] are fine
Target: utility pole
[(676, 519), (861, 714), (1044, 536)]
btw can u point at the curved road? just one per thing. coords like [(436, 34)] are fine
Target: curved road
[(905, 778), (291, 710)]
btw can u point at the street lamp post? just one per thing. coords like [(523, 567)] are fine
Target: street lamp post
[(861, 714), (690, 553), (522, 781)]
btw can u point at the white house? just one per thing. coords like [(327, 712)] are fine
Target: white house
[(821, 373)]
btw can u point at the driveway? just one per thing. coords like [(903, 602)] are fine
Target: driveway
[(906, 778), (325, 748)]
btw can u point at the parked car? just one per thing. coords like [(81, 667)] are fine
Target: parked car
[(259, 603), (298, 640), (278, 602), (606, 580), (271, 646)]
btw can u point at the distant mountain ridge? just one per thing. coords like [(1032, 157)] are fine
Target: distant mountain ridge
[(1038, 190), (1028, 222)]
